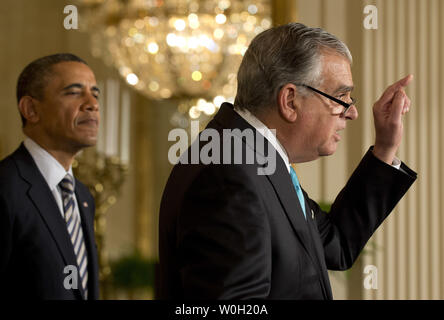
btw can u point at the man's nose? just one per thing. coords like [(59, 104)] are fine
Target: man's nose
[(91, 102), (352, 113)]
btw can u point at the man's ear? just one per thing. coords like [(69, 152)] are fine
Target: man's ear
[(289, 102), (28, 109)]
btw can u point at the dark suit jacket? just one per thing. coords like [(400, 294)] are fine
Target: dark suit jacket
[(35, 246), (228, 233)]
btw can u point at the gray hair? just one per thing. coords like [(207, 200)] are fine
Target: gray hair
[(285, 54)]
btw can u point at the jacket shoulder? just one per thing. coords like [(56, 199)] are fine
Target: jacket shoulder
[(7, 163), (8, 172)]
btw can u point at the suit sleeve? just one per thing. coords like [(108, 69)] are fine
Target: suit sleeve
[(369, 196), (223, 237)]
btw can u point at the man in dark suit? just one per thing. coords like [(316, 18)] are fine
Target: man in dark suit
[(231, 231), (47, 246)]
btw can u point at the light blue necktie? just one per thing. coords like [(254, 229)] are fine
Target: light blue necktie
[(297, 187)]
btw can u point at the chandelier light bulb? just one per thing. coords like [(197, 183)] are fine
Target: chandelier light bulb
[(153, 48), (194, 112), (180, 25), (132, 79), (171, 39), (252, 9), (221, 18), (218, 33), (218, 100), (196, 76)]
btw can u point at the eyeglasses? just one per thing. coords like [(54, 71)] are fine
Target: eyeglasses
[(342, 103)]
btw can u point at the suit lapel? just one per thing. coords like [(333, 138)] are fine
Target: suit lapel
[(284, 189), (86, 209), (40, 194)]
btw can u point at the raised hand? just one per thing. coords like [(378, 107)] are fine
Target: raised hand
[(388, 112)]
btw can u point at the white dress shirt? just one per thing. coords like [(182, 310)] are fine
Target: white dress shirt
[(266, 132), (52, 171)]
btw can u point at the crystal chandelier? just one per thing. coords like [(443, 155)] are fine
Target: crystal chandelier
[(187, 50)]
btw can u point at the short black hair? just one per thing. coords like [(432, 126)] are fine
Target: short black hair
[(34, 77)]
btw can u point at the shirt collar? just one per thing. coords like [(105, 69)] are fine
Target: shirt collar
[(266, 132), (49, 167)]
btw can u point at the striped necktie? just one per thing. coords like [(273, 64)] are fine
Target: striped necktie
[(297, 187), (75, 230)]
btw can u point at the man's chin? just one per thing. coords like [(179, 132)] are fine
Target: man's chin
[(86, 142), (324, 152)]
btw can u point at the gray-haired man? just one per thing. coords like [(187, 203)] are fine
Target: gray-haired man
[(227, 232)]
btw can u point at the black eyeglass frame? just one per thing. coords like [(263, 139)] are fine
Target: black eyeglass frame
[(344, 104)]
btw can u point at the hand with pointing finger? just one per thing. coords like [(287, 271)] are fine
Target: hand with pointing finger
[(388, 112)]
